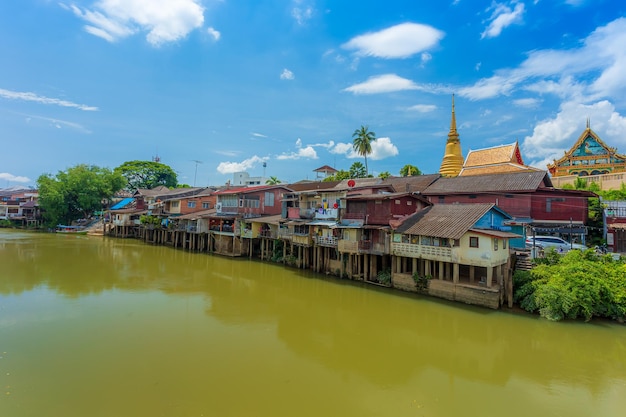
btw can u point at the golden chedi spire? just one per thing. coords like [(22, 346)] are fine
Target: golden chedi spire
[(453, 158)]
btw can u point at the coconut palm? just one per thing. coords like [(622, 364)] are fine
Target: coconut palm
[(272, 181), (362, 143)]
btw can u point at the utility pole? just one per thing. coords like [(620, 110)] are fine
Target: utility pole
[(196, 173)]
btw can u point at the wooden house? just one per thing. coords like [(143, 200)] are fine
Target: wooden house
[(458, 251), (528, 197), (363, 232)]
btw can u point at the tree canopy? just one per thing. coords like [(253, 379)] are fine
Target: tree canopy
[(272, 181), (358, 170), (362, 143), (409, 170), (147, 174), (76, 193)]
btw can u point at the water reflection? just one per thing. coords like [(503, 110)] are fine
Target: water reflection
[(186, 323)]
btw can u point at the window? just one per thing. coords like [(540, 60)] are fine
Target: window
[(473, 242), (269, 199), (426, 240), (503, 243), (495, 244), (191, 204), (206, 205), (397, 201), (472, 196), (441, 199), (175, 204), (409, 203)]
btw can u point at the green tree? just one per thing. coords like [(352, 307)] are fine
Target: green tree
[(340, 175), (409, 170), (358, 170), (272, 181), (147, 174), (76, 193), (576, 285), (384, 175), (362, 143)]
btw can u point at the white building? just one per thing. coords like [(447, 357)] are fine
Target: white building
[(244, 179)]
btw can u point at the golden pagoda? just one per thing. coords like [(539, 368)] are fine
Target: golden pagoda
[(453, 158)]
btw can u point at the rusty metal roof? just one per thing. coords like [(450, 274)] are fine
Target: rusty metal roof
[(444, 220), (503, 182), (416, 183)]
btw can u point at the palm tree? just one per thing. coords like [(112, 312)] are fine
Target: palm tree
[(272, 181), (362, 143)]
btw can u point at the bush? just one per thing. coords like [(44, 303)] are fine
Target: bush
[(421, 281), (578, 285), (384, 277)]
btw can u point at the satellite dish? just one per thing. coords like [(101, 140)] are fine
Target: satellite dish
[(351, 183)]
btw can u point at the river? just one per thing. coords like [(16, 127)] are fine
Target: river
[(93, 326)]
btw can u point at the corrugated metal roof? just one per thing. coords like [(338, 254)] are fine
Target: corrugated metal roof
[(444, 220), (503, 182), (417, 183), (122, 204)]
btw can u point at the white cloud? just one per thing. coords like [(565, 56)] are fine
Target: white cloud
[(215, 34), (502, 17), (551, 137), (597, 69), (301, 12), (343, 148), (287, 75), (163, 20), (303, 152), (423, 108), (400, 41), (232, 167), (382, 84), (258, 135), (17, 95), (381, 148), (425, 57), (527, 102), (57, 123), (5, 176)]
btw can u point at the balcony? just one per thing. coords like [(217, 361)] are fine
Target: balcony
[(330, 241), (410, 250)]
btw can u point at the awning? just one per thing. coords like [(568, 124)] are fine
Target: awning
[(327, 223), (350, 224)]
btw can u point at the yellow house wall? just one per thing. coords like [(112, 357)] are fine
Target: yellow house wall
[(483, 255)]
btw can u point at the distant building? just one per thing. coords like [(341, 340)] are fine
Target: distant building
[(590, 158), (324, 171), (495, 160), (244, 179)]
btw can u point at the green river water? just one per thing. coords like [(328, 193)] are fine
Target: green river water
[(93, 326)]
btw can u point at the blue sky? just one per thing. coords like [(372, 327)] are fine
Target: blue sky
[(234, 84)]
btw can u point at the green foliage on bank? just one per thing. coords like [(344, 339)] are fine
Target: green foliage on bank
[(577, 285), (76, 193)]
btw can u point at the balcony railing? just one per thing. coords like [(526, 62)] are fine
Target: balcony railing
[(330, 241), (411, 250)]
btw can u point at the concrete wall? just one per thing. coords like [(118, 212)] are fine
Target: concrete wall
[(480, 296)]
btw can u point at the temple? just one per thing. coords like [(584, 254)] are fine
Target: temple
[(495, 160), (453, 158), (591, 158)]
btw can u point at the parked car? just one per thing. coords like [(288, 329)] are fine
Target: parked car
[(559, 244)]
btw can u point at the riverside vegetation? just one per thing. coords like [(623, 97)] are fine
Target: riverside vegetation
[(573, 286)]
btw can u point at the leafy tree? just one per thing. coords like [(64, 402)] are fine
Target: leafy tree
[(338, 176), (76, 193), (147, 174), (358, 170), (273, 181), (384, 175), (409, 170), (576, 285), (362, 143)]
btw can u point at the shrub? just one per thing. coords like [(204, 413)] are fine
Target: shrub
[(578, 285)]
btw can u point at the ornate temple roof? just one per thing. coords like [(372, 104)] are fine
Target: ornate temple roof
[(497, 159), (589, 156)]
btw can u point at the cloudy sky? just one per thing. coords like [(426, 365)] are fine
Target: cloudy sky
[(218, 86)]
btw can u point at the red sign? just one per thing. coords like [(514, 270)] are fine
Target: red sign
[(351, 183)]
